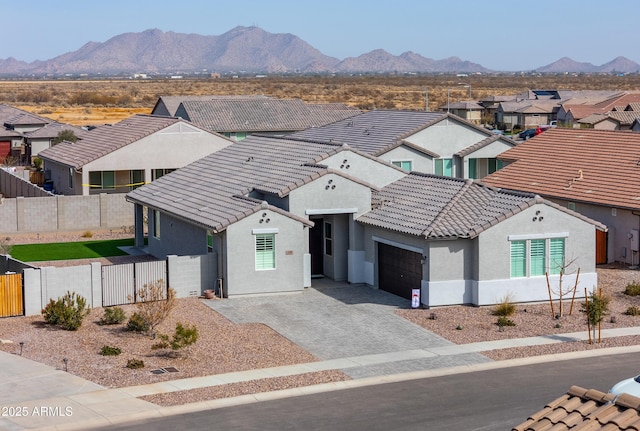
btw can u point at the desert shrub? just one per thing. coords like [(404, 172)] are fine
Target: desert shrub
[(110, 351), (505, 307), (182, 337), (113, 316), (67, 312), (87, 234), (505, 321), (596, 307), (137, 323), (134, 364), (154, 302), (632, 289), (632, 311)]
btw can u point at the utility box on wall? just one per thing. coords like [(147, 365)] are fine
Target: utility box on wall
[(633, 240)]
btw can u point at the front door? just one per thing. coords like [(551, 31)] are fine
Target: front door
[(316, 247)]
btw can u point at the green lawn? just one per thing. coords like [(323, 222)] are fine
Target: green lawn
[(69, 250)]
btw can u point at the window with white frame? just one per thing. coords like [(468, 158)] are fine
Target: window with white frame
[(535, 257), (403, 164), (265, 251)]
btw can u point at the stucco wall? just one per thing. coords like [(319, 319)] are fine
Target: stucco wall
[(241, 276), (420, 162), (446, 137), (176, 237), (363, 168)]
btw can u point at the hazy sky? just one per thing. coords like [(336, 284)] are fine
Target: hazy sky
[(498, 34)]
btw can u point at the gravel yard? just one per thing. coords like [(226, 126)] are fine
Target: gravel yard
[(225, 347)]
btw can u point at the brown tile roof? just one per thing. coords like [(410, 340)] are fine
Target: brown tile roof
[(582, 409), (261, 114), (432, 206), (106, 139), (14, 116), (583, 165)]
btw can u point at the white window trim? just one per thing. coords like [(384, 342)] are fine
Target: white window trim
[(265, 230), (538, 236)]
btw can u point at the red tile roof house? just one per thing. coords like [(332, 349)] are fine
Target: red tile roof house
[(117, 158), (277, 211), (582, 409), (594, 172)]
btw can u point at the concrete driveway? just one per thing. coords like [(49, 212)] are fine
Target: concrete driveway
[(337, 320)]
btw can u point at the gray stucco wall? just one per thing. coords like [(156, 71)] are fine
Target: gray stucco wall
[(176, 237), (363, 168), (241, 276)]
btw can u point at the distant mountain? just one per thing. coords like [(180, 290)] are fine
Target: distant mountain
[(250, 50), (565, 64)]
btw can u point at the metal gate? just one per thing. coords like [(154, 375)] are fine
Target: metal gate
[(11, 296), (121, 282)]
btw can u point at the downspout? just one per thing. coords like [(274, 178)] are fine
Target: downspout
[(637, 214)]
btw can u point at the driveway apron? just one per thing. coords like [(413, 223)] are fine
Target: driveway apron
[(337, 320)]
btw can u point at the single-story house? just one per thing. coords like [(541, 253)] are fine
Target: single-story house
[(614, 120), (470, 110), (239, 116), (15, 123), (429, 142), (277, 212), (120, 157), (42, 138), (594, 172)]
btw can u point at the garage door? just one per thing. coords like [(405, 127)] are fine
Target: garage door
[(399, 270)]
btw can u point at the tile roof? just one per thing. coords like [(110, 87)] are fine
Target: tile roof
[(375, 131), (261, 114), (583, 165), (432, 206), (106, 139), (14, 116), (173, 102), (52, 130), (582, 409), (219, 184)]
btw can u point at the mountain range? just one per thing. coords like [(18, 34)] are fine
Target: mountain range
[(252, 50)]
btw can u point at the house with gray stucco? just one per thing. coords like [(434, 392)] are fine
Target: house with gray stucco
[(120, 157), (277, 212), (429, 142)]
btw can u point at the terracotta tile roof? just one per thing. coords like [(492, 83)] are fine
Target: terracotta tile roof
[(583, 165), (432, 206), (106, 139), (582, 409), (261, 114), (219, 185)]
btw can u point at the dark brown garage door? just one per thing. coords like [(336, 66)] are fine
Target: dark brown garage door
[(399, 270)]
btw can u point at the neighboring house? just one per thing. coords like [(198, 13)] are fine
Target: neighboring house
[(614, 120), (582, 409), (120, 157), (574, 110), (278, 211), (42, 138), (16, 122), (525, 114), (469, 110), (594, 172), (429, 142), (239, 116)]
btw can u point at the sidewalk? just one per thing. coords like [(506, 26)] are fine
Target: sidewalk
[(66, 402)]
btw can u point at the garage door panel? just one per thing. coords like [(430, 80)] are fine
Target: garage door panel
[(399, 270)]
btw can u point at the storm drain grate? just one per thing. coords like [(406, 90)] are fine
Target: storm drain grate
[(165, 370)]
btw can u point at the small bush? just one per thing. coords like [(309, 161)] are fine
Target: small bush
[(110, 351), (154, 303), (87, 234), (67, 312), (632, 289), (137, 323), (113, 316), (632, 311), (505, 321), (182, 337), (504, 308), (135, 364)]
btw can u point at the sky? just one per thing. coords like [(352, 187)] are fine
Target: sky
[(503, 35)]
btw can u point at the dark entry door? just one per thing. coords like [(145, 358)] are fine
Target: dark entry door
[(315, 247), (399, 270)]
